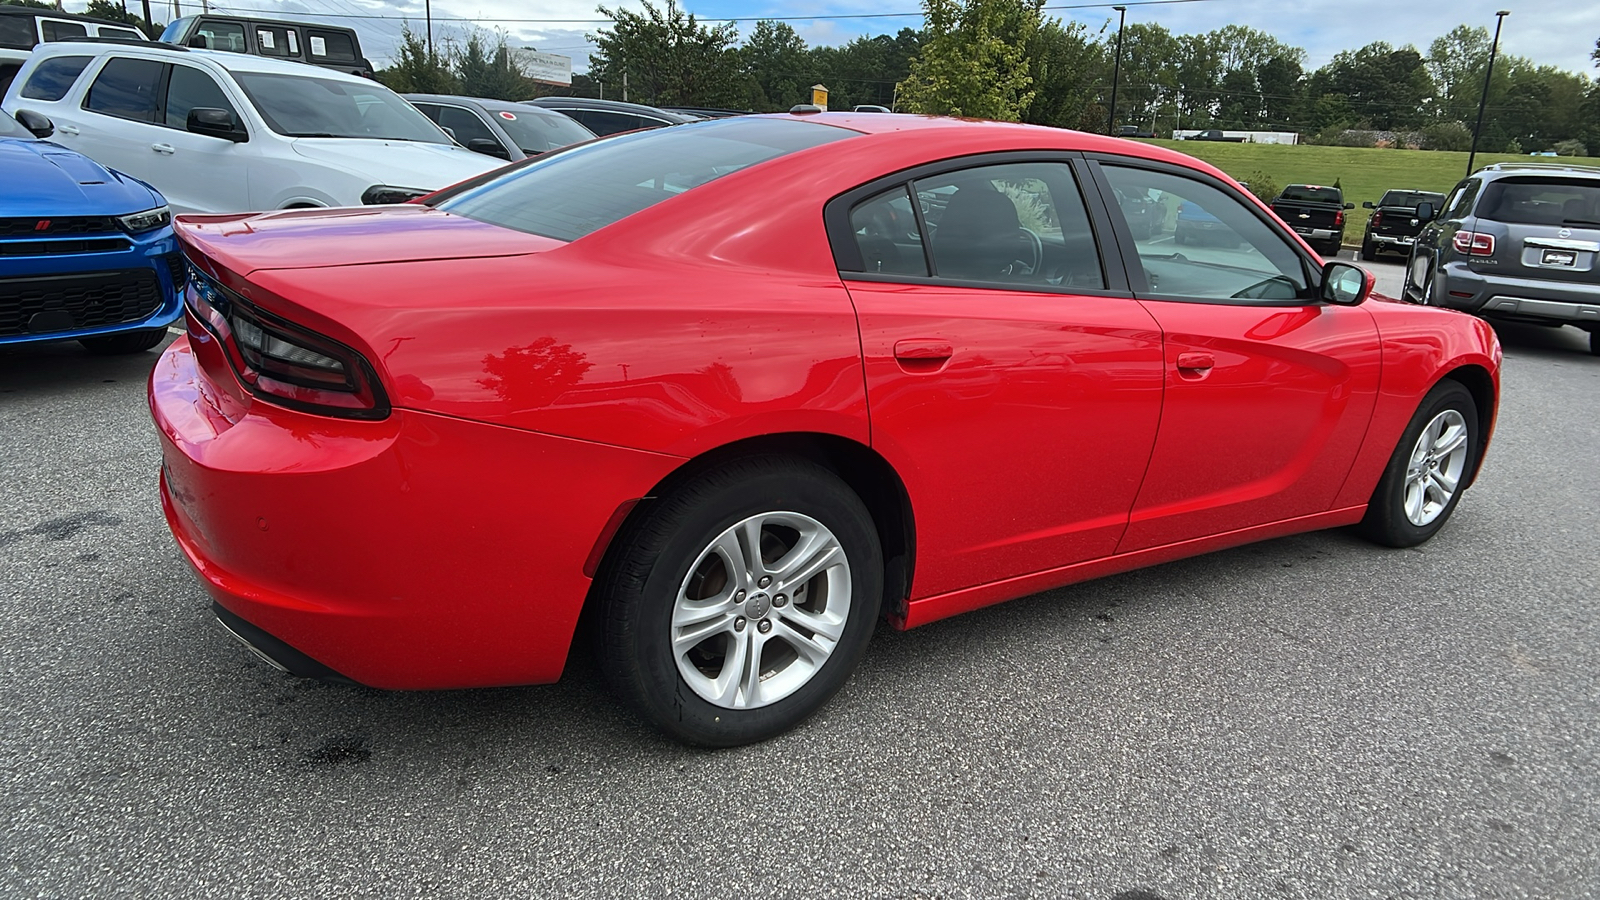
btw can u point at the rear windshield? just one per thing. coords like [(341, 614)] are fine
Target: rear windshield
[(1542, 201), (571, 194), (1411, 199), (1306, 193), (541, 132)]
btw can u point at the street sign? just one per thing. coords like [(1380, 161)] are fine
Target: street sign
[(819, 97), (549, 68)]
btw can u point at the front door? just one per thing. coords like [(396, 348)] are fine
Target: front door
[(1268, 391), (1015, 393)]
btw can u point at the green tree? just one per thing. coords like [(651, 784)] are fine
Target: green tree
[(416, 69), (1386, 87), (1281, 82), (973, 60), (482, 72), (775, 62), (1066, 65), (666, 57), (114, 12), (31, 4)]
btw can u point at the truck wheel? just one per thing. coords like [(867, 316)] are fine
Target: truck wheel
[(1369, 252)]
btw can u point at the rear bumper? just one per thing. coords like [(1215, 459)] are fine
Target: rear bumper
[(1397, 242), (1519, 299), (419, 551)]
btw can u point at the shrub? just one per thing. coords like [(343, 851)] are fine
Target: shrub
[(1513, 146), (1572, 147), (1262, 185), (1447, 136)]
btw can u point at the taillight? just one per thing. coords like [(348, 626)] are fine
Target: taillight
[(1338, 217), (284, 362), (1473, 243), (1377, 217)]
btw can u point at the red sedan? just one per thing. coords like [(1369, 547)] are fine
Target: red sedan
[(740, 388)]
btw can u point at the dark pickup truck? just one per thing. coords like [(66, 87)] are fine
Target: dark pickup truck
[(1394, 224), (1316, 213)]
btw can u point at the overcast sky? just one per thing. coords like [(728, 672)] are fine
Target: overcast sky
[(1552, 32)]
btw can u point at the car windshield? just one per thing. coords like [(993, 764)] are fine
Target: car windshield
[(570, 194), (1542, 201), (1411, 199), (306, 106), (1310, 194), (540, 132), (10, 129)]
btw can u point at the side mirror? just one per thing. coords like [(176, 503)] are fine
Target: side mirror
[(1425, 212), (488, 147), (198, 42), (1344, 284), (38, 124), (1349, 206), (1367, 204), (217, 123)]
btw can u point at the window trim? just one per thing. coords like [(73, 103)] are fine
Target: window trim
[(847, 255), (1134, 269)]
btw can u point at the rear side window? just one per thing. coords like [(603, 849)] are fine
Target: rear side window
[(126, 88), (17, 32), (885, 228), (604, 123), (189, 88), (272, 40), (331, 45), (227, 36), (8, 71), (576, 192), (1461, 201), (1542, 201), (54, 77), (62, 31), (121, 34)]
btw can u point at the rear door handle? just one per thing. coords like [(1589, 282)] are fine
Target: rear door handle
[(927, 350), (168, 149), (67, 129), (1196, 362)]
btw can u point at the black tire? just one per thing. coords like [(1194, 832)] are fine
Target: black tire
[(126, 342), (1594, 342), (1386, 521), (639, 589), (1369, 251)]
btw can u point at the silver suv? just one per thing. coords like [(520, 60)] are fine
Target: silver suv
[(1515, 241)]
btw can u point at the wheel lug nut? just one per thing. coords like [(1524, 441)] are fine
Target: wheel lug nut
[(764, 626), (765, 580), (780, 600), (738, 595), (738, 623)]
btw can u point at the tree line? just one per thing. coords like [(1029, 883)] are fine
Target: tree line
[(1007, 60)]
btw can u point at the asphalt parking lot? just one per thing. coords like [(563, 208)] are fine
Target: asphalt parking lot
[(1312, 717)]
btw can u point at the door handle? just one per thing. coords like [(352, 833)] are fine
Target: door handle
[(167, 149), (923, 349), (1196, 362), (67, 129)]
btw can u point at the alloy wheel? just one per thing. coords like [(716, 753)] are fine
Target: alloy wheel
[(1434, 472)]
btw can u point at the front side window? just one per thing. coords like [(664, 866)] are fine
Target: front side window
[(603, 123), (126, 88), (1016, 223), (227, 36), (189, 88), (465, 125), (1217, 248), (570, 194), (54, 77), (54, 30), (1461, 200), (307, 106)]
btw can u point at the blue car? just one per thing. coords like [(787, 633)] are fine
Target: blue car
[(86, 254)]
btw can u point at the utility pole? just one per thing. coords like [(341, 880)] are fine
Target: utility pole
[(149, 23), (1116, 71), (427, 11), (1499, 19)]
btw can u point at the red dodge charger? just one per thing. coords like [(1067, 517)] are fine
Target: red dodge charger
[(740, 388)]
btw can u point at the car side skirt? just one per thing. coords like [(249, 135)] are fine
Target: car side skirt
[(943, 606)]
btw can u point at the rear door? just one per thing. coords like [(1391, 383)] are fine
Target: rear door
[(119, 113), (1268, 392), (1013, 382), (1551, 227)]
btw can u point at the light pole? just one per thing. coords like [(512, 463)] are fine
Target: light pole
[(1116, 71), (1499, 19)]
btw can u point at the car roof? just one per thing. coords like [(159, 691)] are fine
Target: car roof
[(610, 106), (487, 103), (1507, 169), (228, 61)]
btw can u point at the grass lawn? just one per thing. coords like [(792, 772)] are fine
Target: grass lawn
[(1364, 173)]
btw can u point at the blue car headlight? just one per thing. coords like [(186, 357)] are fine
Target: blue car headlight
[(149, 220)]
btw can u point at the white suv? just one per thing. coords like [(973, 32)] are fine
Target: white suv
[(224, 132)]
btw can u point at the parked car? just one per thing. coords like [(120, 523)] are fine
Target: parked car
[(605, 117), (1145, 216), (870, 108), (707, 112), (1515, 241), (224, 132), (23, 28), (1213, 134), (1393, 225), (1134, 131), (1316, 213), (332, 46), (86, 253), (500, 128), (1196, 225), (638, 375)]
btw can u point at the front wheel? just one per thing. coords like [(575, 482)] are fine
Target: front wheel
[(740, 602), (1427, 473), (1594, 342)]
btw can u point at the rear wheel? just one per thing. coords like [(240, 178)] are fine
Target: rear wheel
[(126, 342), (1594, 342), (739, 603), (1369, 251), (1428, 471)]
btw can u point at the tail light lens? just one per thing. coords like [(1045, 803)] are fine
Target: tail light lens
[(283, 362), (1473, 243), (1377, 217), (1338, 217)]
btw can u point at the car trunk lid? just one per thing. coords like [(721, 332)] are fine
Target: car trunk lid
[(1551, 227)]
